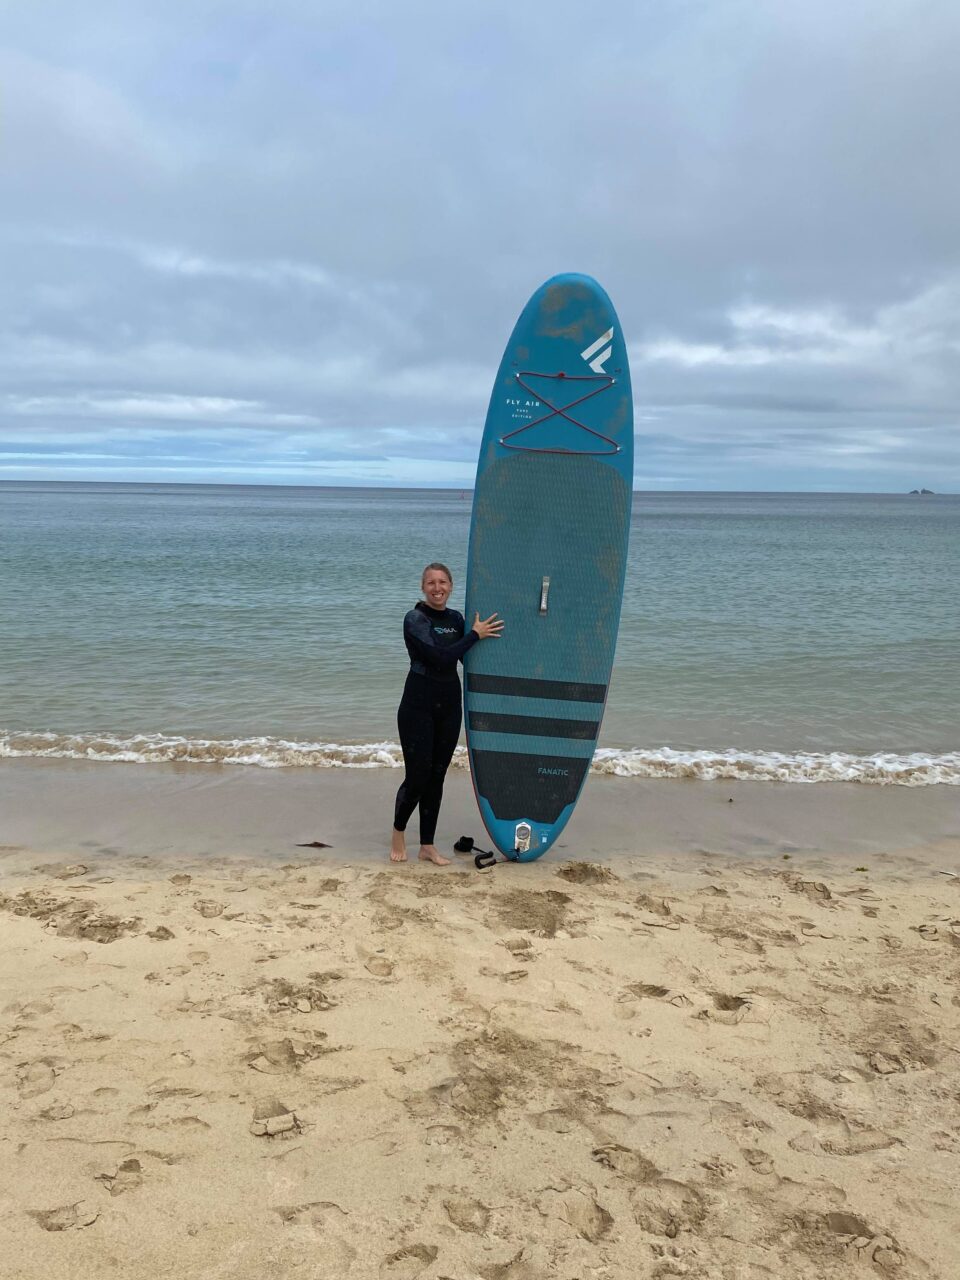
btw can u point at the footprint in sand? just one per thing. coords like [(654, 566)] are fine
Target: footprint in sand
[(624, 1011), (522, 948), (862, 1244), (62, 870), (653, 906), (729, 1004), (586, 873), (310, 996), (279, 1057), (443, 1135), (758, 1160), (329, 1252), (475, 1094), (316, 1213), (408, 1263), (451, 884), (628, 1163), (29, 1010), (556, 1120), (72, 1032), (59, 1111), (725, 1110), (540, 913), (579, 1210), (729, 1010), (128, 1176), (66, 1217), (838, 1138), (185, 1124), (34, 1078), (906, 1053), (508, 975), (467, 1215), (93, 926), (666, 1207), (517, 1268), (207, 1005), (728, 933), (208, 908), (396, 917), (829, 1130), (273, 1118), (651, 991), (815, 890)]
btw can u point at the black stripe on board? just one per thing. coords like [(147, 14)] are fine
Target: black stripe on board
[(520, 687), (535, 726), (534, 787)]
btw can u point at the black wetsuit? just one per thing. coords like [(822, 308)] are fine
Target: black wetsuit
[(430, 711)]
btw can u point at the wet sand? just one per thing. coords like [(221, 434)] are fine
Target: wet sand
[(81, 807), (704, 1039)]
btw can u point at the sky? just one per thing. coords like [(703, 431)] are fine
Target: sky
[(286, 243)]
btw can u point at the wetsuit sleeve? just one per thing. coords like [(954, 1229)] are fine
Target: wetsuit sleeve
[(420, 642)]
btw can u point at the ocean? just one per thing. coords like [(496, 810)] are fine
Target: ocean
[(788, 636)]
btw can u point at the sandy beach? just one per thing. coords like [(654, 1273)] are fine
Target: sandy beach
[(705, 1039)]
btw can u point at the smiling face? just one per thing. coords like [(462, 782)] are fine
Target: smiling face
[(436, 587)]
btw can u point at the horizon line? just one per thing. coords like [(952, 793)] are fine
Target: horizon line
[(436, 488)]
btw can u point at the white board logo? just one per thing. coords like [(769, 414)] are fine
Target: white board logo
[(597, 364)]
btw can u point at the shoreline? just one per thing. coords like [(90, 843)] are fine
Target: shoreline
[(81, 807)]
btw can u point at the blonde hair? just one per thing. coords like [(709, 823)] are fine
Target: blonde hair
[(435, 564)]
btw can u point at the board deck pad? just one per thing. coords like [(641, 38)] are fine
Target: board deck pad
[(551, 522)]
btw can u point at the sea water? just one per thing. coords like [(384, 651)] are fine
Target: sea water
[(776, 635)]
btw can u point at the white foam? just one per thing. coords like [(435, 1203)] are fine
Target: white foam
[(158, 748), (884, 768), (881, 769)]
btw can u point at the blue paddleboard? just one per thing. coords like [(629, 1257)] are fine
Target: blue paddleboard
[(548, 552)]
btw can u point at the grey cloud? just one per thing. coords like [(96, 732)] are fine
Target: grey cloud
[(329, 218)]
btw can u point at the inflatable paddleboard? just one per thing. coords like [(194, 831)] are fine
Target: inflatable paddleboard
[(548, 552)]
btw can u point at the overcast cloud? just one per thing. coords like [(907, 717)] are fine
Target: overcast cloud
[(286, 242)]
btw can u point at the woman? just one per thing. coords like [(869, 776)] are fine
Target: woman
[(430, 711)]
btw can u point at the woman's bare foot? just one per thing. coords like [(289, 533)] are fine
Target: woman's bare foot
[(398, 847), (430, 853)]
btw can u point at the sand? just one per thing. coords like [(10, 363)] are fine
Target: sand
[(727, 1059)]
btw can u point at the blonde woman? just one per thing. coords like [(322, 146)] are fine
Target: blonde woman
[(431, 710)]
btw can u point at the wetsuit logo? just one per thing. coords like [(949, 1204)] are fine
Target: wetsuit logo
[(445, 631)]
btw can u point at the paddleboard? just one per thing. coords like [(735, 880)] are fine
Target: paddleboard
[(548, 552)]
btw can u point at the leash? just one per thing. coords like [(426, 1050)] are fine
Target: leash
[(483, 858)]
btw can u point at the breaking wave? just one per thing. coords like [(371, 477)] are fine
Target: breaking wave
[(884, 768), (881, 769)]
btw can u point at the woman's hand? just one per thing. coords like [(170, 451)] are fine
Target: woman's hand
[(485, 627)]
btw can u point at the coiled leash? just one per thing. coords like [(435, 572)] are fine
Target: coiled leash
[(484, 857)]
